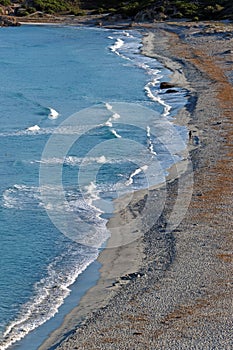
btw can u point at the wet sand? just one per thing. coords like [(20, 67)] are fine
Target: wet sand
[(172, 287)]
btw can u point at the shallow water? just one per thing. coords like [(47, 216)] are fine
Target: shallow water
[(82, 121)]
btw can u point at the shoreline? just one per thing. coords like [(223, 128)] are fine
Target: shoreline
[(182, 298), (124, 269), (121, 265), (120, 318)]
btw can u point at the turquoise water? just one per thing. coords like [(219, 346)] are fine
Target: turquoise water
[(80, 109)]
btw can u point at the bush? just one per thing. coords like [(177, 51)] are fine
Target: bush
[(100, 10), (179, 15), (78, 12), (31, 9), (5, 2), (161, 9), (203, 9), (112, 10), (213, 12), (53, 6), (187, 9), (131, 9)]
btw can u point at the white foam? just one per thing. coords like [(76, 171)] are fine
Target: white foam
[(132, 48), (151, 149), (115, 133), (62, 130), (33, 128), (127, 34), (101, 159), (108, 106), (150, 143), (92, 194), (136, 172), (113, 117), (72, 160), (20, 197), (117, 45), (50, 293), (116, 116), (156, 98), (109, 122), (53, 161), (53, 114)]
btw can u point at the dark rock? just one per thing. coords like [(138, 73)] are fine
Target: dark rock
[(196, 140), (228, 52), (171, 91), (115, 283), (198, 194), (131, 276), (8, 21), (165, 85)]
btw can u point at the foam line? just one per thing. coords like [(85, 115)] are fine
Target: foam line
[(150, 143), (136, 172), (115, 133), (154, 98), (50, 294), (117, 45)]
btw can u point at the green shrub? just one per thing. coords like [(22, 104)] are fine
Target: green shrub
[(179, 15), (213, 11), (131, 9), (77, 12), (219, 7), (31, 9), (188, 9), (53, 6), (5, 2), (100, 10), (161, 9), (112, 10), (203, 9)]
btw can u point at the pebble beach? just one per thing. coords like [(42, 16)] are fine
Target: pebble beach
[(172, 287), (181, 294)]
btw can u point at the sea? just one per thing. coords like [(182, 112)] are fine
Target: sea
[(83, 121)]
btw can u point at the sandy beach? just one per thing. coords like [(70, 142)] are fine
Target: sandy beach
[(172, 288)]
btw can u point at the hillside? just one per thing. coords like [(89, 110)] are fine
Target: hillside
[(141, 10), (165, 9)]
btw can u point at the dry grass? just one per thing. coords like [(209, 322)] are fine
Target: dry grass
[(226, 257)]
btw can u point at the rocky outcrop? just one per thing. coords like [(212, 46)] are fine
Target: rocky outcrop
[(150, 14), (8, 21)]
